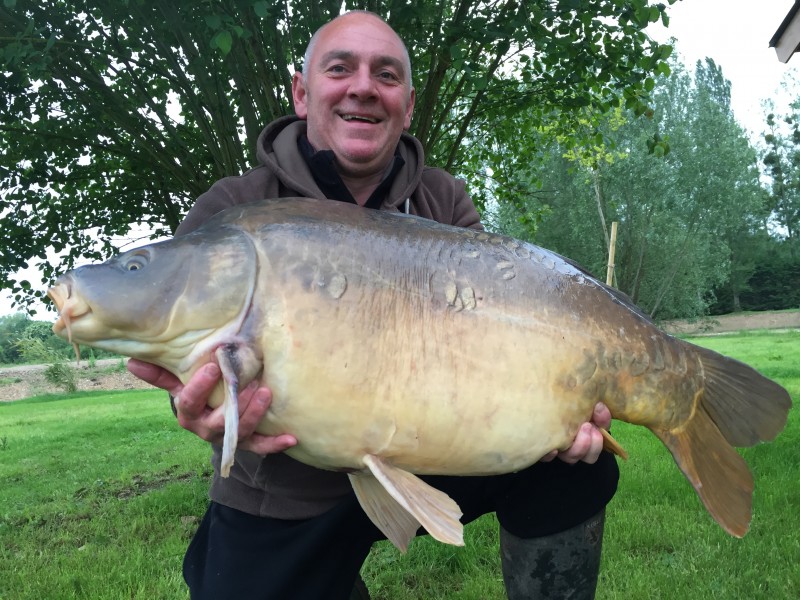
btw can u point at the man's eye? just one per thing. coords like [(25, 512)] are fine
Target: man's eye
[(388, 75)]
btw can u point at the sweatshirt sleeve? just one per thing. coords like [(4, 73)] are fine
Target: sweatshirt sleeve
[(226, 192), (464, 212)]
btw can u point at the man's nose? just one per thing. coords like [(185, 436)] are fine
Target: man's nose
[(362, 84)]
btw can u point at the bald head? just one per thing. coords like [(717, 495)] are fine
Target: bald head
[(361, 15)]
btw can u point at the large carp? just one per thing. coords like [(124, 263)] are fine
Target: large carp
[(397, 346)]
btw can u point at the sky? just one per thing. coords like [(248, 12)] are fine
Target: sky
[(735, 33)]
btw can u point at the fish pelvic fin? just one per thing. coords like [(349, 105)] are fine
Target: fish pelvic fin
[(398, 503), (716, 471), (747, 407), (612, 445)]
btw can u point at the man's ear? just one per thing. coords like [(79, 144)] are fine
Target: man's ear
[(409, 109), (299, 95)]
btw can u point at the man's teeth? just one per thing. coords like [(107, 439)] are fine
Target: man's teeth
[(358, 118)]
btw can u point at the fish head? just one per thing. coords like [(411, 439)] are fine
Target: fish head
[(170, 303)]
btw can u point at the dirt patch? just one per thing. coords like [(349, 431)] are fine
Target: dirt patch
[(735, 322), (25, 381)]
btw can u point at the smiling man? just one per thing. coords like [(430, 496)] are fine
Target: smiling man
[(278, 529), (362, 99)]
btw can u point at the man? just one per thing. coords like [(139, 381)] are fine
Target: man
[(279, 529)]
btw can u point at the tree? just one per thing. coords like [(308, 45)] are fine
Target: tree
[(121, 113), (16, 328), (683, 185), (782, 163), (12, 328)]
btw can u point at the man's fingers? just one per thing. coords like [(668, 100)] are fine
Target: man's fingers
[(580, 446), (194, 395), (253, 404), (601, 416), (268, 444), (195, 415), (595, 447), (586, 448), (153, 374)]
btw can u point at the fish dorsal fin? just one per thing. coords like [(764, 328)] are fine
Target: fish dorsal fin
[(398, 502)]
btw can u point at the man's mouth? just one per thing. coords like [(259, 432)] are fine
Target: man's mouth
[(359, 118)]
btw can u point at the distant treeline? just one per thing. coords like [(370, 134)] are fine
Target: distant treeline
[(774, 285), (15, 329)]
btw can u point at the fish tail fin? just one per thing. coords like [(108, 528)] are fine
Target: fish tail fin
[(747, 407), (398, 503), (714, 468), (737, 407)]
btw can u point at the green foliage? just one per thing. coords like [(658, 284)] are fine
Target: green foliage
[(682, 184), (19, 326), (12, 327), (121, 113), (58, 372), (774, 285), (781, 159), (62, 375)]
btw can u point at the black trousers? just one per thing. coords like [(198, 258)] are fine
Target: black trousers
[(240, 556)]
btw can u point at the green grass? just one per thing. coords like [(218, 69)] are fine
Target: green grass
[(99, 496)]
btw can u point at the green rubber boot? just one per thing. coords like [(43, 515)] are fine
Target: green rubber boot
[(561, 566)]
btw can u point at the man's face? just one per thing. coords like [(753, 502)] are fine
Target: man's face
[(356, 97)]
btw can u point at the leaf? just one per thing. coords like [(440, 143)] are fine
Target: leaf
[(261, 8), (223, 41), (213, 21)]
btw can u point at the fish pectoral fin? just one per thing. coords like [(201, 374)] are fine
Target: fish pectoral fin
[(398, 502), (612, 445), (227, 365)]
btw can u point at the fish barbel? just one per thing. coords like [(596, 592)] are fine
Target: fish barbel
[(397, 346)]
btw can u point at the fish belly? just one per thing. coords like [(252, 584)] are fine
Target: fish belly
[(432, 389)]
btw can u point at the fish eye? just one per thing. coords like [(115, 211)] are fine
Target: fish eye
[(136, 261)]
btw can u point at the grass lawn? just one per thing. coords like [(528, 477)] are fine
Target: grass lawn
[(100, 494)]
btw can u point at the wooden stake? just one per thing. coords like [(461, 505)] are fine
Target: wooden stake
[(611, 248)]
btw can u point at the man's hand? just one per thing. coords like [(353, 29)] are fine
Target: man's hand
[(588, 443), (194, 414)]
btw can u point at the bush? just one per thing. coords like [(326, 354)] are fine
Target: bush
[(59, 373)]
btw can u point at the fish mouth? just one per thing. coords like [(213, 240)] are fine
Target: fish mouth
[(70, 308)]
